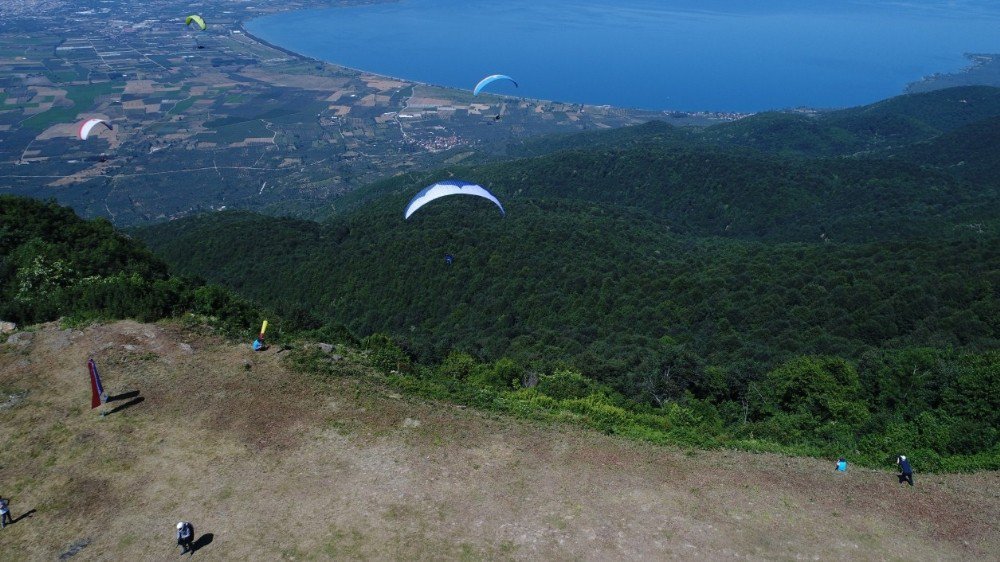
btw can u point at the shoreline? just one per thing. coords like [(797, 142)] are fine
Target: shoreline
[(977, 62), (651, 113), (359, 71), (921, 84), (241, 27)]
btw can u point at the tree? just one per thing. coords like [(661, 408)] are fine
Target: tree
[(816, 388)]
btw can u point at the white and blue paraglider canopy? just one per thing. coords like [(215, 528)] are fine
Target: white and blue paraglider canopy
[(489, 80), (446, 188)]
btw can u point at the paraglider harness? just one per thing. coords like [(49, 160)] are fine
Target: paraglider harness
[(258, 344)]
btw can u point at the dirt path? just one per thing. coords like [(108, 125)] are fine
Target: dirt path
[(275, 465)]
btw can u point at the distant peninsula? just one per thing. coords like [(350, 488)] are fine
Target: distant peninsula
[(984, 71)]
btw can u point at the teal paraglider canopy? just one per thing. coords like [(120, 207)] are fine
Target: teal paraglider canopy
[(489, 80), (446, 188)]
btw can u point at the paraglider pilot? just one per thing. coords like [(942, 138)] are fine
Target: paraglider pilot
[(905, 471), (5, 516), (185, 536)]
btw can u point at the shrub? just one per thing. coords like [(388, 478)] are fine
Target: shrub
[(458, 366), (385, 355), (503, 374), (565, 384)]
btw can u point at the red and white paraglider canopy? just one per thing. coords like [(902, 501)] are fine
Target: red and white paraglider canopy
[(86, 125)]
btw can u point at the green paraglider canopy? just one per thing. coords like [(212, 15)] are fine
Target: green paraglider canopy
[(197, 21)]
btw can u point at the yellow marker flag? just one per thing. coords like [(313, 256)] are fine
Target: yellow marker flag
[(263, 327)]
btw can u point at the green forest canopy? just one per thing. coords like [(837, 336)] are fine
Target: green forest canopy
[(846, 303), (53, 264)]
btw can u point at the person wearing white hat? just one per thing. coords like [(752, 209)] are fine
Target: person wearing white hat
[(185, 536), (5, 516), (905, 470)]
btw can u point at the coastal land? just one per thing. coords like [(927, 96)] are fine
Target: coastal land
[(221, 119), (983, 70)]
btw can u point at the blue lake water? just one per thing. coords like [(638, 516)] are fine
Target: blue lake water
[(718, 55)]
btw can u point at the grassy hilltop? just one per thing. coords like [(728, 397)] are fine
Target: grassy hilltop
[(658, 352), (704, 301), (275, 463)]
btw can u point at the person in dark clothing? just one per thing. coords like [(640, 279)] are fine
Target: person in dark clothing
[(5, 516), (905, 471), (185, 536)]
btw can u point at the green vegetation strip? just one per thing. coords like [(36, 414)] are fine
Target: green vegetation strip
[(83, 99), (182, 106), (810, 406)]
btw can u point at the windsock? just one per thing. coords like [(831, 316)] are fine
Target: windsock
[(97, 394)]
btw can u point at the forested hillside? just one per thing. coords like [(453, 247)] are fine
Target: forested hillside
[(653, 315), (938, 400), (674, 269), (971, 152), (707, 295), (874, 128), (53, 264), (712, 183), (715, 192), (558, 280)]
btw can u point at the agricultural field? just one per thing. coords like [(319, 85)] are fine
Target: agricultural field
[(225, 115)]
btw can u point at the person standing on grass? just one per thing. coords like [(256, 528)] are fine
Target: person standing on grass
[(185, 536), (905, 471), (5, 516)]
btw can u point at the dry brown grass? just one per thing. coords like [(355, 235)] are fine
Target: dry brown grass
[(278, 465)]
